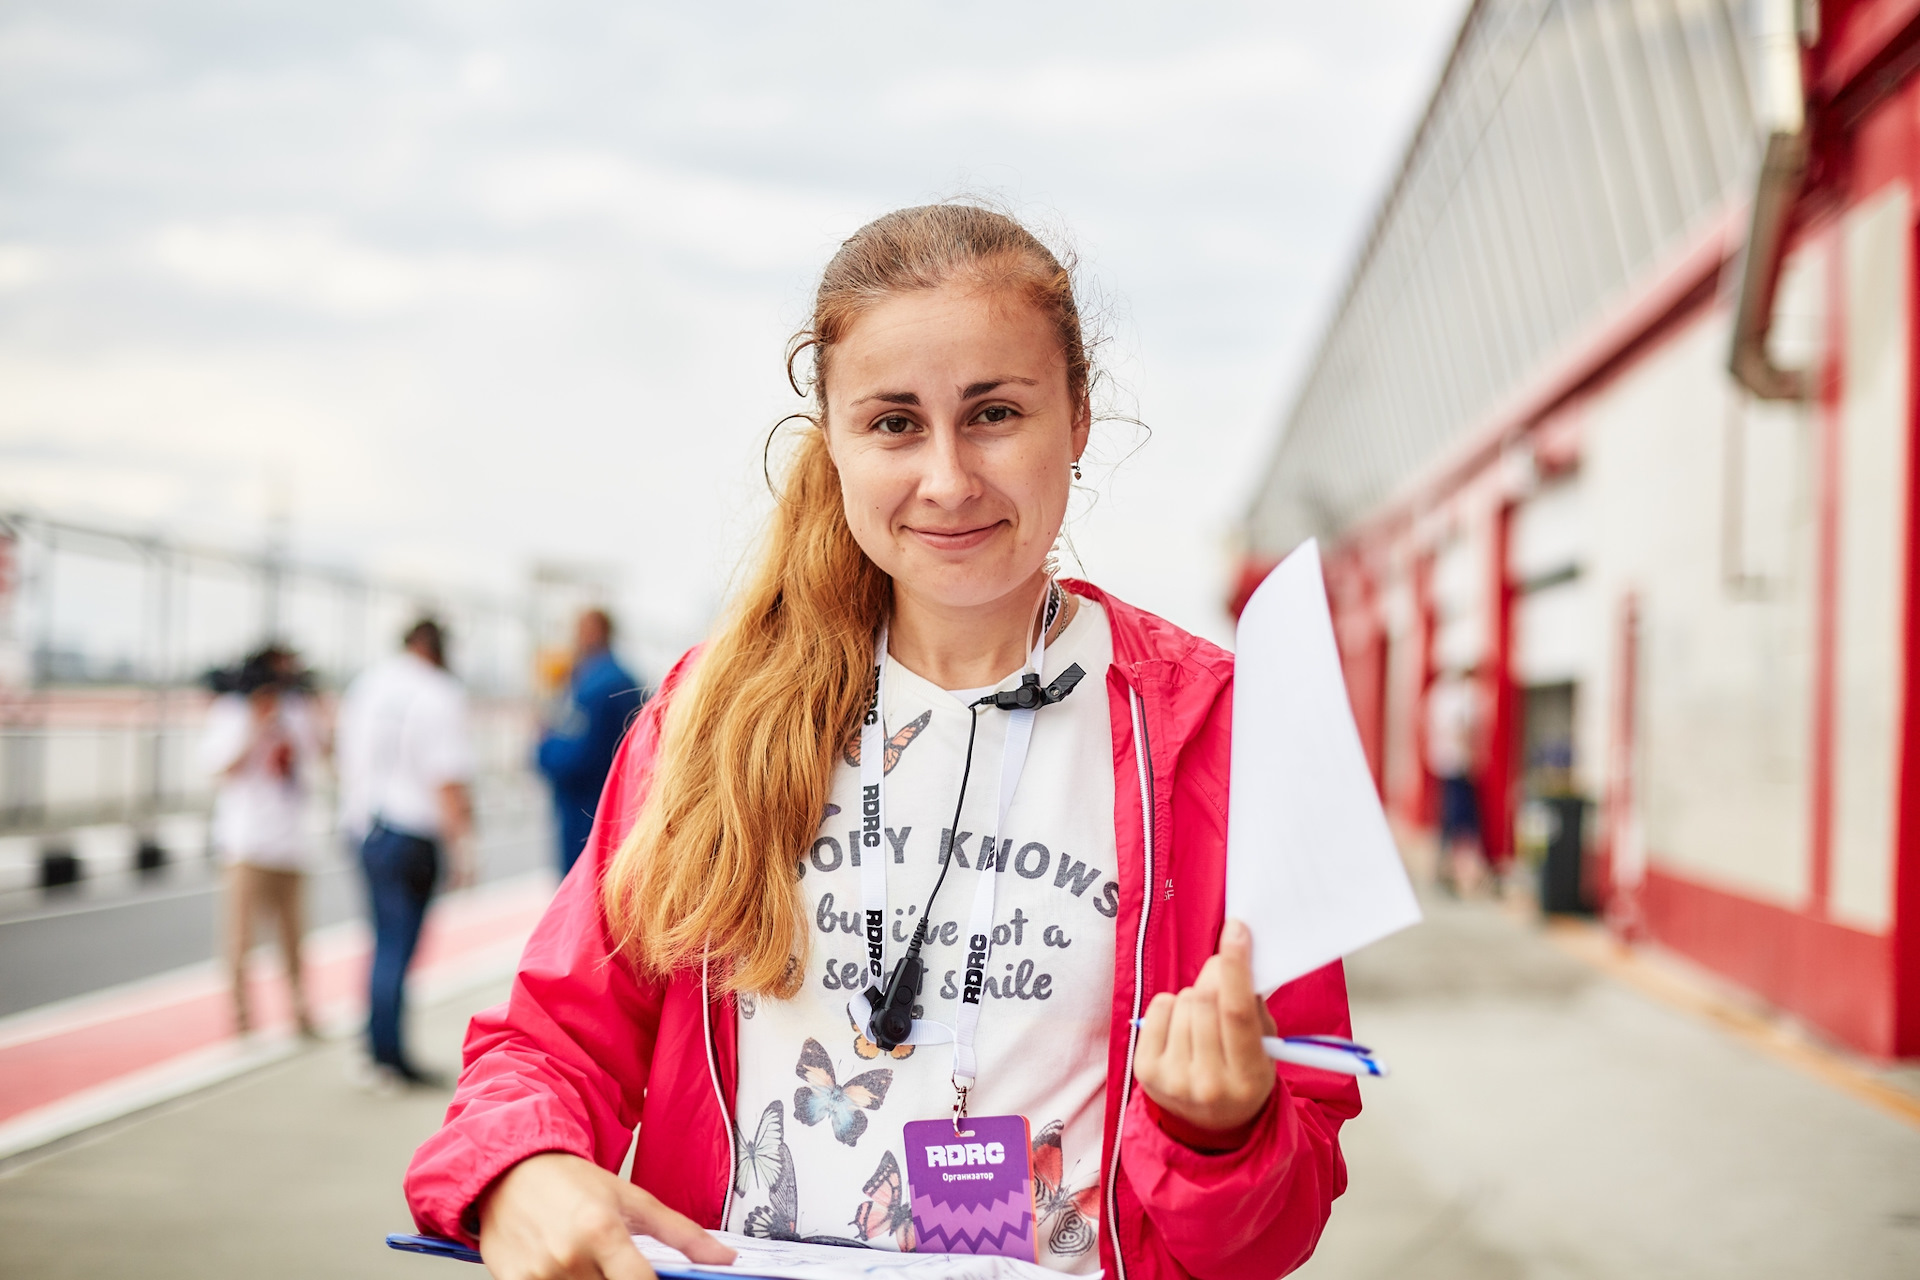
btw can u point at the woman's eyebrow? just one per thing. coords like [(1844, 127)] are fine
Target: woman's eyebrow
[(890, 397), (981, 388), (968, 392)]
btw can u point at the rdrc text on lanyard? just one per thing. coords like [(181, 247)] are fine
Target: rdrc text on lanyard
[(886, 1007)]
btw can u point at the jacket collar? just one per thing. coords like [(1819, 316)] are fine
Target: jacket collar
[(1180, 675)]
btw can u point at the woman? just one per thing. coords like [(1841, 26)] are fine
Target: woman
[(765, 860)]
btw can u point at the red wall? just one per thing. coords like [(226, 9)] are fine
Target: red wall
[(1859, 987)]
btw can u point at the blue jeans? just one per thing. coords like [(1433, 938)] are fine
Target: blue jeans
[(400, 870), (1459, 811)]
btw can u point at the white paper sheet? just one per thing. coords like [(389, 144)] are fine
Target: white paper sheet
[(1311, 864), (796, 1260)]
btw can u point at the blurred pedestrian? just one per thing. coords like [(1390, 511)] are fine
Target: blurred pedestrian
[(1453, 739), (406, 761), (601, 699), (262, 744)]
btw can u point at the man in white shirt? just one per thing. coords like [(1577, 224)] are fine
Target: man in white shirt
[(406, 762)]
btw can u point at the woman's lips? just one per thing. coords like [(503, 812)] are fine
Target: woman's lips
[(956, 540)]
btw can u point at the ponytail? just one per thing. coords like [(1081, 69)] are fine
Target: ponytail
[(746, 758)]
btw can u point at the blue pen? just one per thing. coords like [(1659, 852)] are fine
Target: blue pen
[(435, 1245), (1328, 1053)]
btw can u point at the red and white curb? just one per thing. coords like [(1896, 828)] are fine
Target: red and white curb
[(68, 1066)]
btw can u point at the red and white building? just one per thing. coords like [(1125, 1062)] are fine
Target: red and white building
[(1617, 413)]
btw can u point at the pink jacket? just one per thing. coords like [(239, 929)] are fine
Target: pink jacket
[(585, 1051)]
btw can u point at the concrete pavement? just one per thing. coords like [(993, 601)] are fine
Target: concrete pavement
[(291, 1172), (1544, 1120)]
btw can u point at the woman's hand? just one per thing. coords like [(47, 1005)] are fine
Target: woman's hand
[(1199, 1056), (558, 1217)]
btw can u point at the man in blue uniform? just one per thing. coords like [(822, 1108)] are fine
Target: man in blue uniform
[(602, 697)]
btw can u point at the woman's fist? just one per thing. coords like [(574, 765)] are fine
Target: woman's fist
[(1199, 1056)]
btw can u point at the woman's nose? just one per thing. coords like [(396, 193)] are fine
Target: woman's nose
[(948, 479)]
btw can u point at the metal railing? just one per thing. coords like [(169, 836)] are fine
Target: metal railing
[(106, 636)]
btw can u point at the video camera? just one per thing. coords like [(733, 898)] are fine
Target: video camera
[(273, 667)]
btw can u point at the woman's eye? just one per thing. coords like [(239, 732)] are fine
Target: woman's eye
[(894, 425), (996, 413)]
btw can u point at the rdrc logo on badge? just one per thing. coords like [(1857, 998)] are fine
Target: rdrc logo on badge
[(972, 1190), (954, 1155)]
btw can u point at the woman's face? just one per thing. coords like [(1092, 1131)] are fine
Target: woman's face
[(949, 419)]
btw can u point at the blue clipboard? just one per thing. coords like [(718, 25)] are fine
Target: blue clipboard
[(439, 1247)]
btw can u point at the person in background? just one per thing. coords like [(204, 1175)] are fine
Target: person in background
[(261, 745), (406, 763), (601, 700), (1453, 732)]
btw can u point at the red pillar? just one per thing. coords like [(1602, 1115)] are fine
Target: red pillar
[(1906, 871), (1426, 799), (1363, 629), (1826, 588), (1498, 773)]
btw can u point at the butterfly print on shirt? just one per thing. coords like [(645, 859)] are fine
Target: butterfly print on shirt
[(1075, 1215), (779, 1218), (822, 1097), (896, 745), (886, 1210), (759, 1161)]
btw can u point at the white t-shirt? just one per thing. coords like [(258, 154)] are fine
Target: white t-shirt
[(402, 736), (1046, 1015), (1453, 712), (259, 809)]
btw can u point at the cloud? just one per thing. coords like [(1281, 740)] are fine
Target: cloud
[(22, 265), (735, 222), (1118, 96), (305, 262), (497, 282), (34, 47)]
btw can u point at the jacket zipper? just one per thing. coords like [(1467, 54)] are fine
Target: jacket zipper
[(726, 1112), (1142, 752)]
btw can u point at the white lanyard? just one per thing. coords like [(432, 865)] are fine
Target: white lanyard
[(989, 855)]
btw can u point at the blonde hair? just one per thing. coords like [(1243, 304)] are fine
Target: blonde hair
[(746, 758)]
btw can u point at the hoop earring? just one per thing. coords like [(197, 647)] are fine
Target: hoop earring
[(1076, 469)]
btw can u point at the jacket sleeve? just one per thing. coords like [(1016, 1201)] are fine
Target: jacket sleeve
[(563, 1064), (1256, 1211)]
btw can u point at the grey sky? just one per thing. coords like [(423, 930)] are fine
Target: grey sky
[(475, 282)]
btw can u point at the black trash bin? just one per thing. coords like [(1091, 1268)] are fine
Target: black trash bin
[(1562, 874), (59, 868)]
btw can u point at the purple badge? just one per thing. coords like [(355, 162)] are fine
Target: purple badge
[(972, 1191)]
